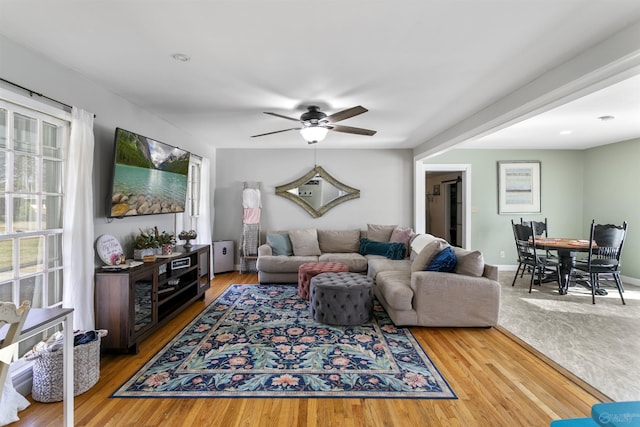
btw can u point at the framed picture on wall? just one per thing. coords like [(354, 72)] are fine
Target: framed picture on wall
[(518, 187)]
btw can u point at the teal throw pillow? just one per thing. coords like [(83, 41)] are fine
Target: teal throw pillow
[(280, 244), (445, 261), (391, 250)]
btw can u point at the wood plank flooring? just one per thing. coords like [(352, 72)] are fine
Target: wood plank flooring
[(499, 380)]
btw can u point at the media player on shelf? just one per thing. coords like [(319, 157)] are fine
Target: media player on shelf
[(180, 263)]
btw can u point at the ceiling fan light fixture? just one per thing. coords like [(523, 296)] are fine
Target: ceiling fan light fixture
[(313, 134)]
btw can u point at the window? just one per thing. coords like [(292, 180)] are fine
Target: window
[(194, 186), (31, 194)]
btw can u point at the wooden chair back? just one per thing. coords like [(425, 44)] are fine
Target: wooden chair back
[(14, 317)]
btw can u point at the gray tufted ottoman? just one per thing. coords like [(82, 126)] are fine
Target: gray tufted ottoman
[(341, 298)]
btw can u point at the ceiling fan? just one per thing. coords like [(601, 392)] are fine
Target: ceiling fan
[(314, 124)]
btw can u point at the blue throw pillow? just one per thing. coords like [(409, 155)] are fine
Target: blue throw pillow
[(391, 250), (445, 261), (280, 244)]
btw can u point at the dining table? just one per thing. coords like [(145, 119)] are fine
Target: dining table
[(567, 249)]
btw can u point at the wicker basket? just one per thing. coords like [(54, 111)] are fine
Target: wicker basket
[(48, 371)]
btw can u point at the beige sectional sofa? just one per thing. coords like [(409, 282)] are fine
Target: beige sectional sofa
[(469, 296)]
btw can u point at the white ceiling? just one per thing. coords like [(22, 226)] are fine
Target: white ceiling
[(419, 66), (583, 123)]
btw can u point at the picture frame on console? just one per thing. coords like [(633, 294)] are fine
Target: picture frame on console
[(519, 187)]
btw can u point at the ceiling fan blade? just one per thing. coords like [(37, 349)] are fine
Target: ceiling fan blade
[(345, 114), (277, 131), (349, 129), (281, 116)]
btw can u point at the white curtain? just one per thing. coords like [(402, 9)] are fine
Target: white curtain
[(202, 223), (77, 237)]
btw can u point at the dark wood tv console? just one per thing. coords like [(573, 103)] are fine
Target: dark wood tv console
[(133, 303)]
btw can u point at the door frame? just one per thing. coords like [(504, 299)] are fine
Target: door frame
[(420, 196)]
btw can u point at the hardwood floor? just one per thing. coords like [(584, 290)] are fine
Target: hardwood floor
[(499, 381)]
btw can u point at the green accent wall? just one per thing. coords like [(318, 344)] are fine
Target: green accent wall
[(576, 187), (612, 194)]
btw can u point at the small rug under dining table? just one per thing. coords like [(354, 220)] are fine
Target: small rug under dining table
[(260, 341)]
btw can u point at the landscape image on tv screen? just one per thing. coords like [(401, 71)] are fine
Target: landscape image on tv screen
[(149, 177)]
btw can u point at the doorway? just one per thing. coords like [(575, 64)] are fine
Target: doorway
[(444, 206), (443, 202), (453, 211)]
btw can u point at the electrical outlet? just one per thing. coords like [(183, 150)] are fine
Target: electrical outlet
[(501, 254)]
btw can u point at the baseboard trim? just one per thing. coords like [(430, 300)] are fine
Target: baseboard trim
[(22, 376), (579, 382)]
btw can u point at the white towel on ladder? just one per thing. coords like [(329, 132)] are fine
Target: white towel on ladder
[(251, 198)]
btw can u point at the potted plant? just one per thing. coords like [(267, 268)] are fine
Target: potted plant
[(165, 241), (144, 244)]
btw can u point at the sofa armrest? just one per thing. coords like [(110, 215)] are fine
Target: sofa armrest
[(455, 300), (264, 250), (490, 272)]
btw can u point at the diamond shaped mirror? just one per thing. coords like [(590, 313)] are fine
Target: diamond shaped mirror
[(317, 192)]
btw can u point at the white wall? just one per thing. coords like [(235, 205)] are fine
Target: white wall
[(384, 178), (40, 74)]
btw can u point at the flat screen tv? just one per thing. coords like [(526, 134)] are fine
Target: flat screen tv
[(149, 177)]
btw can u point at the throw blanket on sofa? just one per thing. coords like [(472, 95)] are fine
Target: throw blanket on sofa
[(420, 241)]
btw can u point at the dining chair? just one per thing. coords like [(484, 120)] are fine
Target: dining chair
[(539, 227), (15, 318), (528, 256), (605, 248)]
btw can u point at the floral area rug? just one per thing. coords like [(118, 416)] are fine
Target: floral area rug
[(260, 341)]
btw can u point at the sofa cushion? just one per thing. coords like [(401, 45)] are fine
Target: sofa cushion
[(356, 262), (377, 263), (379, 233), (282, 264), (280, 244), (402, 235), (396, 288), (469, 263), (444, 261), (339, 241), (305, 242), (426, 255)]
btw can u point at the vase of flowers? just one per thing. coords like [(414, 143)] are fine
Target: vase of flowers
[(144, 245), (187, 236), (165, 241)]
